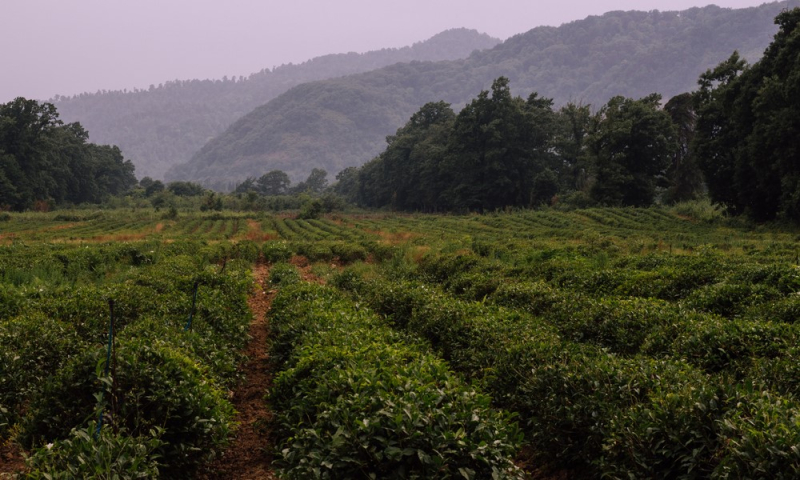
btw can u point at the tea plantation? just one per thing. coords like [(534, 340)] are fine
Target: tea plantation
[(598, 343)]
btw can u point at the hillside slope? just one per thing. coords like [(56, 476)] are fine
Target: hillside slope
[(165, 124), (342, 122)]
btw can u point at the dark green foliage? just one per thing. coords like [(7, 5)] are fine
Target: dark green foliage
[(186, 189), (354, 399), (276, 251), (409, 174), (502, 151), (747, 128), (314, 184), (685, 179), (630, 144), (499, 146), (42, 160), (273, 183), (283, 274), (312, 209), (86, 454)]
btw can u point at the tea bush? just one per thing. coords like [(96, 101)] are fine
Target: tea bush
[(283, 274), (154, 385), (88, 454), (276, 251), (356, 399)]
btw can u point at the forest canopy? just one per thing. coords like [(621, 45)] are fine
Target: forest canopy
[(505, 151), (44, 161), (747, 140)]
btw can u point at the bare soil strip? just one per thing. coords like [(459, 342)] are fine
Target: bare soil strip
[(11, 460), (248, 456)]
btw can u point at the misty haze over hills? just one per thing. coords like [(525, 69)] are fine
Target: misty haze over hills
[(166, 124), (342, 122)]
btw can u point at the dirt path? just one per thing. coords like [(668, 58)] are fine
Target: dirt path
[(248, 456), (11, 460)]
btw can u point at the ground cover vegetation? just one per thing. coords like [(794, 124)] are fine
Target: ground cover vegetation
[(161, 392), (604, 342)]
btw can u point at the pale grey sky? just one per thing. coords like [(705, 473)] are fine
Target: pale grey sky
[(66, 47)]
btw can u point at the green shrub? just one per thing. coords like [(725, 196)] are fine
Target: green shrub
[(380, 251), (570, 401), (315, 251), (348, 252), (729, 299), (283, 274), (786, 310), (781, 374), (536, 298), (673, 434), (760, 438), (473, 285), (155, 385), (355, 400), (33, 348), (276, 251), (717, 344), (87, 455)]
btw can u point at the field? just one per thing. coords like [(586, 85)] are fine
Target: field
[(599, 343)]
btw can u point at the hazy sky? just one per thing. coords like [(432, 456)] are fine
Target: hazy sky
[(50, 47)]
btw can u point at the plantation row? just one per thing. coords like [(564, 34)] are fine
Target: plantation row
[(583, 407), (149, 225), (624, 343), (164, 399), (355, 399), (631, 230)]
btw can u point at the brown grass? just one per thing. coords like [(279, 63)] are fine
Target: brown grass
[(394, 238), (255, 233)]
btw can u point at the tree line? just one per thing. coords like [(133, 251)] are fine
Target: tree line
[(736, 139), (44, 162), (505, 151), (342, 122)]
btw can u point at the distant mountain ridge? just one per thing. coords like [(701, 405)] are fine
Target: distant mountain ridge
[(165, 125), (343, 122)]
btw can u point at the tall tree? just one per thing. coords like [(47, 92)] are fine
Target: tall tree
[(748, 129), (631, 144), (408, 174), (685, 177), (499, 144), (43, 159), (572, 125), (717, 134), (275, 182)]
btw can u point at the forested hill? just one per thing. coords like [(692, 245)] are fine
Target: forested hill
[(165, 124), (343, 122)]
